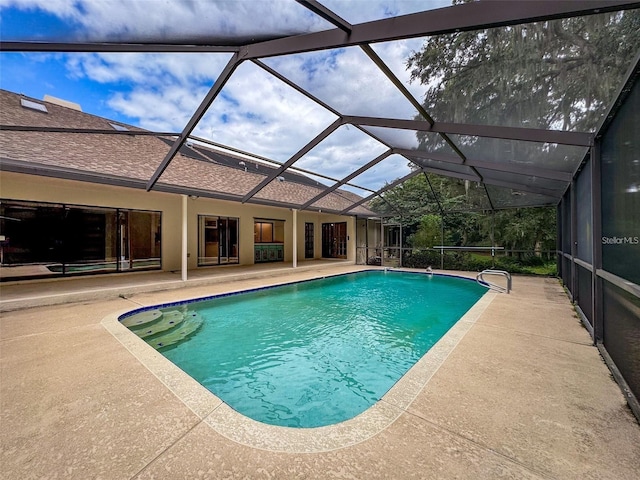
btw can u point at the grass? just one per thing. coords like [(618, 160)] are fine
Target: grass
[(529, 266), (548, 269)]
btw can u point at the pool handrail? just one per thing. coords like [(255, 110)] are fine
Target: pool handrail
[(493, 286)]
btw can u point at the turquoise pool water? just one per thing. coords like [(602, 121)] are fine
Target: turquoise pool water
[(318, 352)]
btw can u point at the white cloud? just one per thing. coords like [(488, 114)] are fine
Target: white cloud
[(386, 171), (343, 152), (101, 20), (168, 110), (400, 138), (257, 112), (161, 91), (151, 69), (347, 80), (360, 11)]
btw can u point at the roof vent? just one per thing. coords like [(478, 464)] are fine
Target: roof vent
[(33, 105), (280, 179), (63, 103)]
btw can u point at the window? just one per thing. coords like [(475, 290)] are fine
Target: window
[(268, 238), (46, 239), (308, 240), (268, 231), (263, 232), (217, 240)]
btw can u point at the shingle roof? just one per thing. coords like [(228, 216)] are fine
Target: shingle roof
[(136, 157)]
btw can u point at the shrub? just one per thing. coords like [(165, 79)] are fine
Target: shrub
[(529, 263)]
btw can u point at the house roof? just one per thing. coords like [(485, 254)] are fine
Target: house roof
[(129, 157)]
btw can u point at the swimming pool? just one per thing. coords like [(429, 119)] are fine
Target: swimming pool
[(313, 353)]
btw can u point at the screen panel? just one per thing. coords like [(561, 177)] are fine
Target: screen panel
[(621, 191), (258, 113), (562, 158), (584, 292), (495, 76), (566, 222), (622, 332), (583, 215), (366, 11), (347, 80)]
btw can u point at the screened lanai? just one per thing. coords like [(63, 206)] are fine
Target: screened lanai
[(532, 103), (390, 119)]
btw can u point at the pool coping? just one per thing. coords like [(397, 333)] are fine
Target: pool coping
[(246, 431)]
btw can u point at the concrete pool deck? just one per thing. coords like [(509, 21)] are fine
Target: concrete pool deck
[(523, 394)]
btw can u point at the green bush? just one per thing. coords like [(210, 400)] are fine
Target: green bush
[(528, 264), (421, 259)]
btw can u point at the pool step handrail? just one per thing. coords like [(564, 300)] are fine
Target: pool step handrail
[(493, 286)]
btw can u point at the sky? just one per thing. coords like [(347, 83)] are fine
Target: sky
[(255, 111)]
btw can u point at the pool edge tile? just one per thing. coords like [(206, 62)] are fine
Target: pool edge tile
[(246, 431)]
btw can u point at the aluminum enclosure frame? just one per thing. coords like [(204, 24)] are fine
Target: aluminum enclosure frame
[(457, 18)]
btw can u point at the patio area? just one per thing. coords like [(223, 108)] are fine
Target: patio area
[(16, 295), (523, 394)]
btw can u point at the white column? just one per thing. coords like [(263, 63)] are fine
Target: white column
[(381, 241), (295, 237), (400, 245), (184, 259)]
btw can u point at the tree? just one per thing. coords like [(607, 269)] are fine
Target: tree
[(558, 74), (429, 232), (532, 229), (407, 202)]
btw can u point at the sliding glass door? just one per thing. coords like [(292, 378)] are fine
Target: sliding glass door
[(334, 240), (217, 240), (46, 239)]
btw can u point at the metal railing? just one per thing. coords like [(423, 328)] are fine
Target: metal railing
[(494, 286)]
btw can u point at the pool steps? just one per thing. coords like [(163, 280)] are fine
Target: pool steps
[(162, 329), (142, 318), (167, 321)]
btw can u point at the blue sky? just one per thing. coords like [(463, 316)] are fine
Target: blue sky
[(161, 91)]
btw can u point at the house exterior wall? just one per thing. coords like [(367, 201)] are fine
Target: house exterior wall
[(16, 186)]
